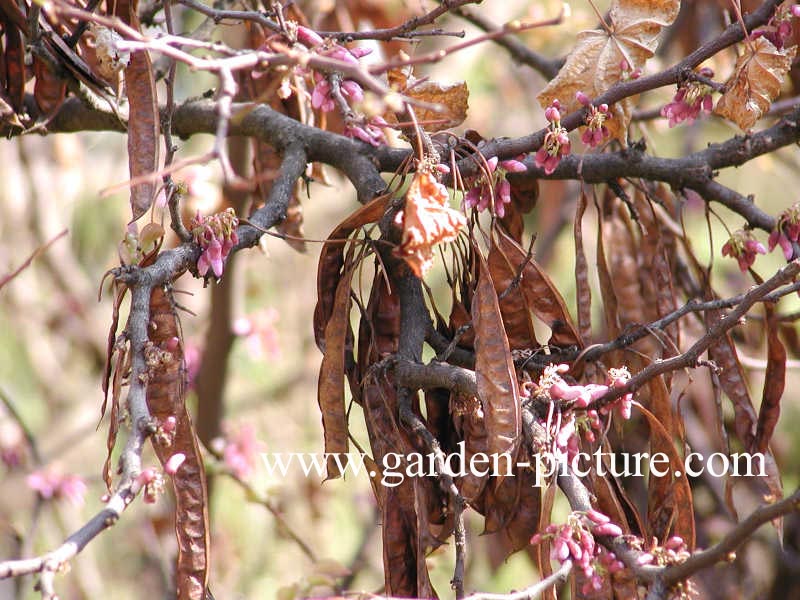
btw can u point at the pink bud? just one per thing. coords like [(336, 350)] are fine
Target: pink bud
[(608, 529), (574, 549), (597, 517), (514, 166), (145, 477), (308, 37), (582, 98), (561, 548), (674, 543), (551, 114), (360, 51), (174, 462)]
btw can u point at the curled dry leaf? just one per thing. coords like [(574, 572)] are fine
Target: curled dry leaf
[(595, 64), (755, 83), (426, 220)]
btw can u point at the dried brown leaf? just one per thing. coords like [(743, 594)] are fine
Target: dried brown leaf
[(469, 421), (330, 389), (49, 90), (594, 65), (496, 377), (331, 260), (755, 83), (774, 384), (13, 64), (582, 285), (536, 294), (608, 292), (452, 99), (518, 527), (671, 509), (427, 220), (669, 505), (143, 118), (166, 397)]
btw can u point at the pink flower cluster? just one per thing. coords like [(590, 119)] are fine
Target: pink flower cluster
[(743, 247), (575, 540), (556, 141), (321, 95), (787, 231), (779, 28), (153, 483), (216, 236), (52, 484), (368, 130), (596, 131), (553, 385), (567, 426), (689, 101), (673, 551), (494, 192)]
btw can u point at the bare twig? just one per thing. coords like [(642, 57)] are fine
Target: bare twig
[(9, 276)]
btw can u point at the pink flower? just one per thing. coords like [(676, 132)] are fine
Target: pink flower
[(690, 100), (595, 131), (779, 28), (216, 235), (787, 231), (494, 191), (52, 484), (241, 451), (321, 95), (370, 131), (743, 247), (556, 141)]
